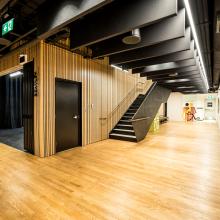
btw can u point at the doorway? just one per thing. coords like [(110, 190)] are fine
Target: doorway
[(11, 99), (17, 108), (68, 114)]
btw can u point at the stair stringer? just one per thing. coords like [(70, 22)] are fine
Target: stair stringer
[(146, 113)]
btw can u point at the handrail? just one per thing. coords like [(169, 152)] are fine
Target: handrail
[(149, 91), (124, 99), (140, 119)]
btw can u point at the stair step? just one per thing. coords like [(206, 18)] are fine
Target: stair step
[(133, 109), (123, 130), (123, 137), (127, 117), (125, 122), (118, 129), (129, 114), (125, 125)]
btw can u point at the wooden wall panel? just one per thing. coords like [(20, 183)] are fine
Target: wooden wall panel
[(104, 89), (10, 63)]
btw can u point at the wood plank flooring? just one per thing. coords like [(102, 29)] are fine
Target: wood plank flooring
[(173, 174)]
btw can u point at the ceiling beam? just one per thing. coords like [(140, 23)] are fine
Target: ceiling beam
[(167, 29), (178, 56), (179, 70), (62, 13), (164, 48), (179, 76), (193, 77), (117, 18), (165, 66), (180, 84)]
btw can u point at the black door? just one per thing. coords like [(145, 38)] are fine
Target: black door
[(28, 106), (68, 114)]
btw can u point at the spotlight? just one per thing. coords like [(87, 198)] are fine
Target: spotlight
[(134, 38)]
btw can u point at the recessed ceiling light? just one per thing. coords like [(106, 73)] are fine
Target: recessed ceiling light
[(191, 91), (185, 87), (173, 74), (177, 80)]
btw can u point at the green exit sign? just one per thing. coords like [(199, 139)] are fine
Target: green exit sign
[(8, 26)]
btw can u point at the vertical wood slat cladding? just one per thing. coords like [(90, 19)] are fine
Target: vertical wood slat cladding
[(10, 63), (103, 88)]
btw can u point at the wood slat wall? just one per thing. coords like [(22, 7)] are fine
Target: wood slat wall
[(10, 63), (103, 89)]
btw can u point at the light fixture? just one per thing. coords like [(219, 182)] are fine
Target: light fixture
[(192, 91), (203, 70), (185, 87), (173, 74), (177, 80), (133, 38), (118, 68), (15, 74)]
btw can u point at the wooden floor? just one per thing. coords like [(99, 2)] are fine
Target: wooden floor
[(174, 174)]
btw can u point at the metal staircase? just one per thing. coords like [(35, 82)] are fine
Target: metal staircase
[(124, 129), (136, 121)]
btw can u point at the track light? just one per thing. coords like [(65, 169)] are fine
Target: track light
[(15, 74), (203, 70)]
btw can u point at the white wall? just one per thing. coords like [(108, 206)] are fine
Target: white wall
[(175, 107), (218, 108), (177, 101)]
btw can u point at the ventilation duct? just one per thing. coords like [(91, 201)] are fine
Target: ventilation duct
[(134, 38)]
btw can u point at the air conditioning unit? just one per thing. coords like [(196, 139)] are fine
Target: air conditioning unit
[(218, 23)]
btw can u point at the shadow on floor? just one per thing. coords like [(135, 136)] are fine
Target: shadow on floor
[(13, 137)]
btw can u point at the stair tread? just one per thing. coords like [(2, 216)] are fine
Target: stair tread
[(124, 125), (123, 135), (119, 129)]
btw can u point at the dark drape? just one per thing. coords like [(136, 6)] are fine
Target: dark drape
[(10, 102)]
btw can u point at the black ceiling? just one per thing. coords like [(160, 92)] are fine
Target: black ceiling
[(167, 51), (25, 13)]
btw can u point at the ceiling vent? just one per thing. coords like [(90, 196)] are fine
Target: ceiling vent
[(133, 38)]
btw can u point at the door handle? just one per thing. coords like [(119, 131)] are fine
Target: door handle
[(75, 117)]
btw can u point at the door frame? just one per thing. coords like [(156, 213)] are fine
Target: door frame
[(29, 132), (79, 84)]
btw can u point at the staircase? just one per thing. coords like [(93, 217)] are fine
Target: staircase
[(136, 121), (124, 129)]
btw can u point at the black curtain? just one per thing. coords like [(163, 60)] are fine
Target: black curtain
[(11, 102)]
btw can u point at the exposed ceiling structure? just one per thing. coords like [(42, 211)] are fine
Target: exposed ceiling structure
[(154, 38), (25, 17)]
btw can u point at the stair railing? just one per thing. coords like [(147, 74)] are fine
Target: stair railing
[(121, 108)]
